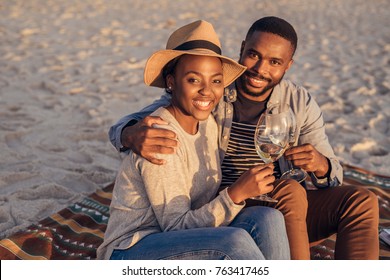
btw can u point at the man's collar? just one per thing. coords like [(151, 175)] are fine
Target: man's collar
[(275, 95), (230, 94)]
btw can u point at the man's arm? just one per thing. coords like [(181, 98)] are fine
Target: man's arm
[(115, 131), (137, 132), (146, 139), (314, 152)]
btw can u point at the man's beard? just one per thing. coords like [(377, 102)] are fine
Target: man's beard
[(246, 90)]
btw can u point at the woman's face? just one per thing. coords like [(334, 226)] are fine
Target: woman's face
[(197, 86)]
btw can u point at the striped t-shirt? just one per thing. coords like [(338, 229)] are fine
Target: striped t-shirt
[(241, 154)]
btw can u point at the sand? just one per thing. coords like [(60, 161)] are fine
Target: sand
[(70, 69)]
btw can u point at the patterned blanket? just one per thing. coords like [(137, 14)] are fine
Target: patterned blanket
[(76, 231)]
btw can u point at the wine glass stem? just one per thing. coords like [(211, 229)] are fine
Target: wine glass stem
[(290, 165)]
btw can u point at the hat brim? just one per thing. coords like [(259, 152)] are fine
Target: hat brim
[(156, 62)]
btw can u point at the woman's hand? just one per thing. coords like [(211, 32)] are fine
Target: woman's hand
[(255, 181)]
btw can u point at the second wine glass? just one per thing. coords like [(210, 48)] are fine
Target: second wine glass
[(294, 173)]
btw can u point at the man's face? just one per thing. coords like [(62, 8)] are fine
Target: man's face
[(267, 57)]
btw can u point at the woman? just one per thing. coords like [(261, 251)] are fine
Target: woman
[(173, 211)]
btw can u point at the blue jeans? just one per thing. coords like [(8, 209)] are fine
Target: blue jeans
[(257, 233)]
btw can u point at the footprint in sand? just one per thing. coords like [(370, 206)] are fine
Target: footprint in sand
[(380, 123), (79, 157), (4, 82), (369, 148), (14, 140)]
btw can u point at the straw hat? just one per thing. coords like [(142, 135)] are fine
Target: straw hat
[(197, 38)]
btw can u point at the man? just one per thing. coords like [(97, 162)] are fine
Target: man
[(310, 215)]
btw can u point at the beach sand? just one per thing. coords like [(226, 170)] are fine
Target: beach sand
[(70, 69)]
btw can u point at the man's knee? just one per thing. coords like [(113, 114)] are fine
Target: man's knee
[(364, 199), (290, 193), (289, 188), (367, 195), (358, 194)]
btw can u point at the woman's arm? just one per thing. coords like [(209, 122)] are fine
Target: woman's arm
[(169, 189)]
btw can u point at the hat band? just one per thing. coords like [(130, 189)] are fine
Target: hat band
[(196, 44)]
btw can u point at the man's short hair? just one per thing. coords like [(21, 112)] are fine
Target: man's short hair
[(275, 26)]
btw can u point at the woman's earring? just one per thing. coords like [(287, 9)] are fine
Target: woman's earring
[(169, 89)]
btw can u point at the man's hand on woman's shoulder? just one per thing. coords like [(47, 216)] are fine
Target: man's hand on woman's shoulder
[(146, 140)]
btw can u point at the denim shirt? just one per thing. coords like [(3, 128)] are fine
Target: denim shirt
[(310, 125)]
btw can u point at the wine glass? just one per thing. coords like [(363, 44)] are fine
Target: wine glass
[(271, 137), (294, 173)]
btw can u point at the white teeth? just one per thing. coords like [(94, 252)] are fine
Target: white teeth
[(202, 103), (257, 81)]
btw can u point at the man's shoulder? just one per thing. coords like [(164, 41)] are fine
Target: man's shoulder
[(292, 93), (291, 86)]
